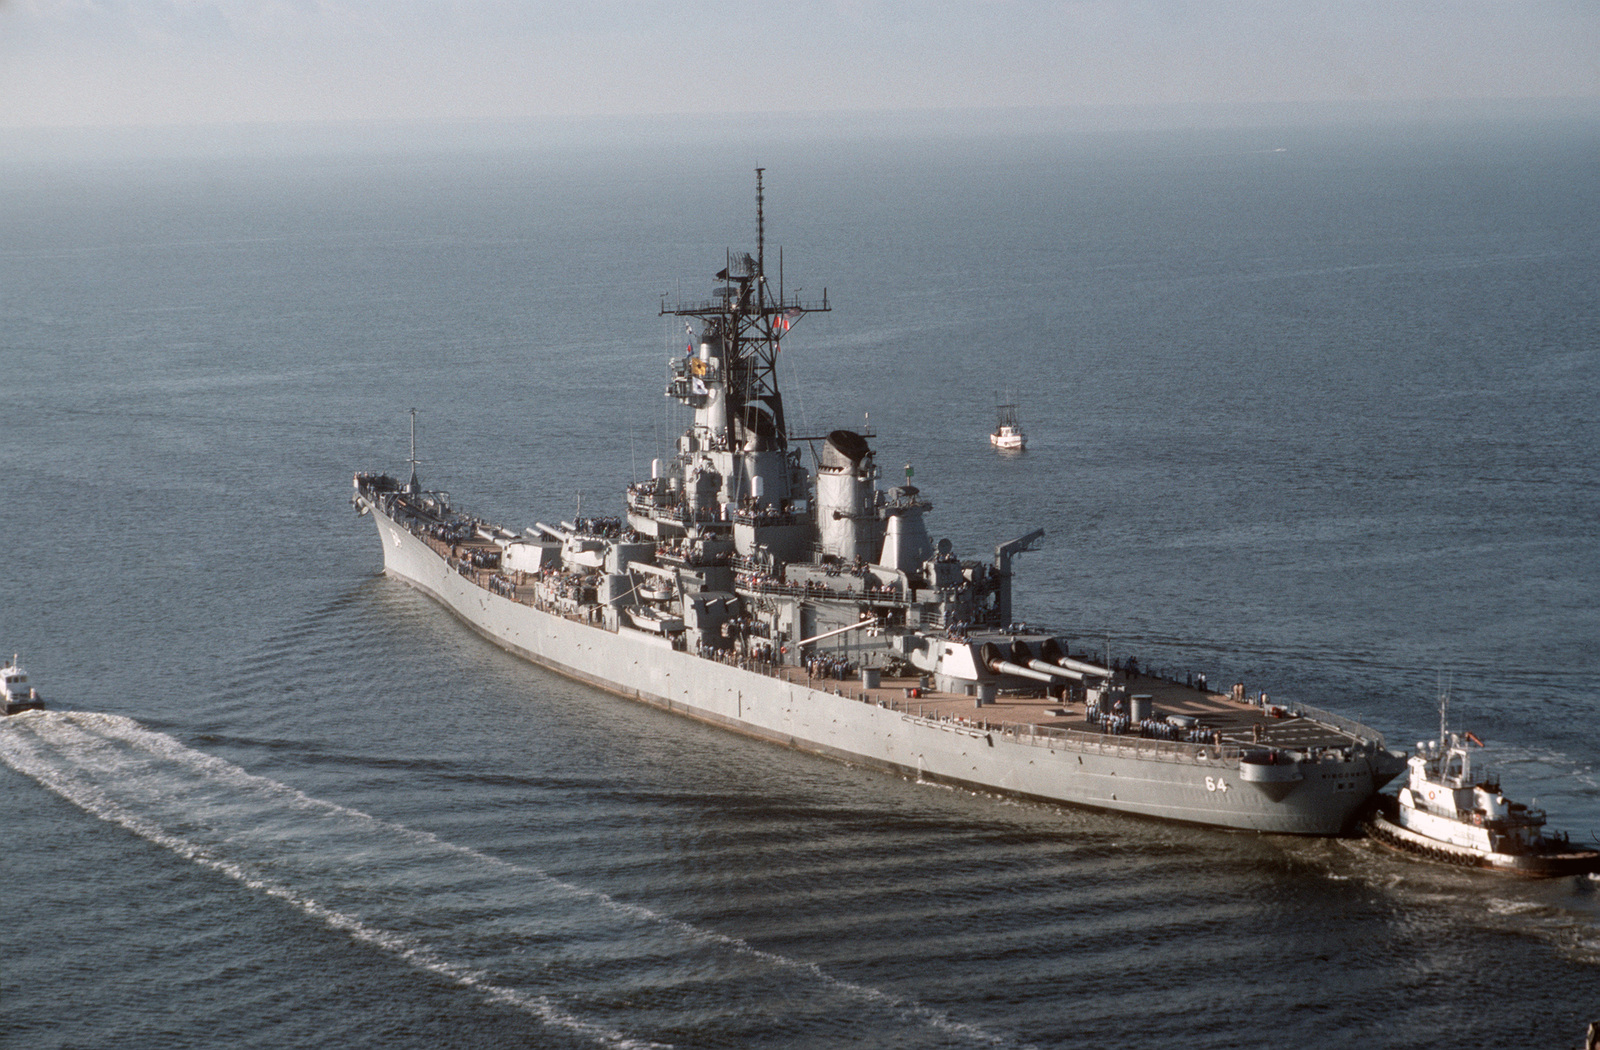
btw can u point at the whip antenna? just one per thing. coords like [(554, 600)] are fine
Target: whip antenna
[(761, 229)]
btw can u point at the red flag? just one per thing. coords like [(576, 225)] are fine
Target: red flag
[(1474, 738)]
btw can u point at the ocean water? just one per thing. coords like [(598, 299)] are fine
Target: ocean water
[(1309, 408)]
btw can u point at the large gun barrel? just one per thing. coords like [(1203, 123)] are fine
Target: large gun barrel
[(1056, 669), (1051, 653), (994, 661), (1007, 667)]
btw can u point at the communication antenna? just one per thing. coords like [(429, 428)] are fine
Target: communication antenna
[(415, 486), (1444, 706), (761, 228)]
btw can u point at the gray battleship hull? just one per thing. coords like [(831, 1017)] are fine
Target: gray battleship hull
[(1125, 775)]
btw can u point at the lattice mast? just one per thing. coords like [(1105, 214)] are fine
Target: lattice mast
[(746, 321)]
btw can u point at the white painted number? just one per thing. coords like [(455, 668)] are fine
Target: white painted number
[(1216, 784)]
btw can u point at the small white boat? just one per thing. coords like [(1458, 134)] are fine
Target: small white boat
[(1008, 434), (1448, 812), (19, 695), (650, 618), (655, 591)]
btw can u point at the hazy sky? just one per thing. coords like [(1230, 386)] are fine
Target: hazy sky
[(135, 62)]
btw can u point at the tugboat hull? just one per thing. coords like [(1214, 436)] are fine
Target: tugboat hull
[(1382, 825)]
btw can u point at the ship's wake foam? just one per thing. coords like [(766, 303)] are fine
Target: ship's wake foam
[(438, 907)]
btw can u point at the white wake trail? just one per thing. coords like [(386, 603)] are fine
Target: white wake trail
[(77, 755), (372, 875)]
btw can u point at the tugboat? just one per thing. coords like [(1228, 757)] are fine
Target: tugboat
[(19, 695), (1008, 435), (1450, 812)]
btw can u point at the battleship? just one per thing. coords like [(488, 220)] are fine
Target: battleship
[(796, 600)]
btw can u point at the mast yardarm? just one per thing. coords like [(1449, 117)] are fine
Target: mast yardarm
[(745, 321)]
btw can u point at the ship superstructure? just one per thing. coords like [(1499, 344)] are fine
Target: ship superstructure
[(805, 604)]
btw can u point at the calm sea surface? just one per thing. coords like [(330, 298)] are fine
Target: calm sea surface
[(1314, 410)]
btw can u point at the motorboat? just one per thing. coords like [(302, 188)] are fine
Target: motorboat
[(19, 694)]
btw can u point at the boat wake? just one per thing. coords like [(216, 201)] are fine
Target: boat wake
[(434, 905), (1563, 913)]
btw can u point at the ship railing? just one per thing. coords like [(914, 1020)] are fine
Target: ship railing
[(766, 516), (1348, 726), (1116, 744), (652, 496), (680, 512), (770, 588), (1524, 817), (724, 304), (690, 561), (811, 589), (1053, 737), (1019, 732)]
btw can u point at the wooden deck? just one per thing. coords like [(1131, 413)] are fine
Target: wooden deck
[(1234, 722)]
